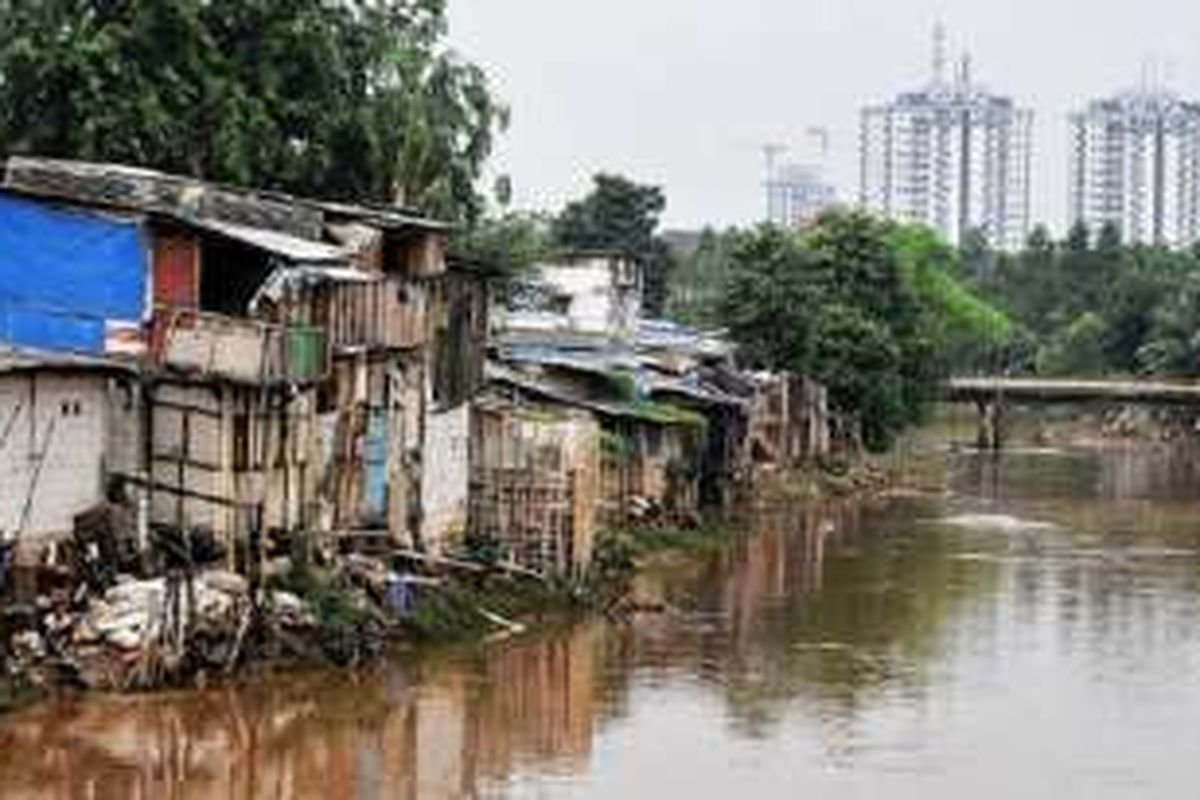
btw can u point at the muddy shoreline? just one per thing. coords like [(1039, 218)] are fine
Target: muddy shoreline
[(354, 611)]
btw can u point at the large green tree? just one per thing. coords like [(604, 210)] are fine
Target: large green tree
[(871, 308), (698, 277), (1091, 304), (505, 244), (619, 214), (359, 98)]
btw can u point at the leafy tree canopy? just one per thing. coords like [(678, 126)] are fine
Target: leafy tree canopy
[(507, 244), (698, 277), (1091, 304), (343, 99), (871, 308)]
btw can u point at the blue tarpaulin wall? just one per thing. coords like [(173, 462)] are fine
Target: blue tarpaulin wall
[(63, 273)]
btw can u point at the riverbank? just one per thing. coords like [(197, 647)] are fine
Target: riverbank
[(173, 632), (178, 631)]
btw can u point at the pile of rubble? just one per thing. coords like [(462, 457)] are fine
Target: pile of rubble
[(146, 633), (122, 633)]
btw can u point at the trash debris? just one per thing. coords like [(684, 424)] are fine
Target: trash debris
[(184, 627)]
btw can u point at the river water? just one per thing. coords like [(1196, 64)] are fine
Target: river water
[(1032, 630)]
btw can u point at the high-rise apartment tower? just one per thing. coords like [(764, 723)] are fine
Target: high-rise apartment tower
[(951, 156), (797, 194), (1135, 162)]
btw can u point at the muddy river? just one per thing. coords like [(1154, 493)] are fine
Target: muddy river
[(1031, 630)]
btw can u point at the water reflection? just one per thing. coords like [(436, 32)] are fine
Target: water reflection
[(1032, 633), (429, 729)]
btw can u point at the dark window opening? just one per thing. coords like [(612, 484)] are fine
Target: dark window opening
[(230, 274)]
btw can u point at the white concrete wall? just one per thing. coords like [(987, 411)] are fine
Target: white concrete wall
[(589, 285), (445, 478), (601, 300), (62, 421)]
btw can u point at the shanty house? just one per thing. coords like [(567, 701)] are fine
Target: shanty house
[(221, 396), (668, 406), (535, 482), (298, 360), (789, 421), (407, 347), (651, 450), (690, 370), (458, 352)]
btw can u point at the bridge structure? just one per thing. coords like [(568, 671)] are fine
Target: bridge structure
[(992, 394)]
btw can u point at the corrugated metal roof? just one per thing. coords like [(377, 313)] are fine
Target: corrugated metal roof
[(661, 334), (695, 388), (549, 390), (583, 359), (301, 251), (559, 339)]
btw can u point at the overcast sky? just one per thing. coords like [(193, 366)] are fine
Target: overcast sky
[(684, 93)]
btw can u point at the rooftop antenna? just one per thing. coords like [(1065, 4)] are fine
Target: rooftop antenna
[(964, 71)]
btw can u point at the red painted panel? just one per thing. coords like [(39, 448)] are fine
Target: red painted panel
[(176, 271)]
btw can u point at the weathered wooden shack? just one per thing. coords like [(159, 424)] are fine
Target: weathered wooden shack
[(535, 482), (457, 355), (373, 409), (695, 371), (671, 410), (650, 451), (651, 467), (299, 365), (407, 347), (789, 420), (233, 366)]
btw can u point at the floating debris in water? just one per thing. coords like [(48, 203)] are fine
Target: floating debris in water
[(822, 646), (995, 522)]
